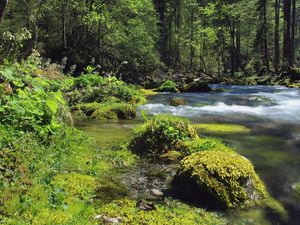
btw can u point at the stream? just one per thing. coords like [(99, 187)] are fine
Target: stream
[(272, 113)]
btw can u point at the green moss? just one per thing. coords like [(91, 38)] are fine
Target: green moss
[(171, 213), (168, 86), (75, 186), (149, 92), (206, 144), (221, 128), (161, 134), (220, 180), (177, 102), (107, 111)]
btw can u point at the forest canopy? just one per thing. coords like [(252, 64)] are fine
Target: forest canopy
[(138, 37)]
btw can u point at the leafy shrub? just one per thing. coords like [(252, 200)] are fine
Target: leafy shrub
[(162, 134), (220, 180), (168, 86)]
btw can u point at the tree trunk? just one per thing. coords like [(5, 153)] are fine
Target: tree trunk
[(232, 47), (265, 36), (192, 53), (3, 4), (287, 33), (276, 36), (161, 8), (238, 46), (293, 32)]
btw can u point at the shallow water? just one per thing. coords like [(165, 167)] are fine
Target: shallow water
[(272, 113)]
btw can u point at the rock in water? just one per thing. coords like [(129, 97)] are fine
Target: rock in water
[(197, 86), (219, 180)]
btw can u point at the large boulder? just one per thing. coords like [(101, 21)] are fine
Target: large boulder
[(161, 135), (219, 180), (197, 86)]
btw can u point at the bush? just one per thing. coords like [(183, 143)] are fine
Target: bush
[(219, 180), (168, 86), (162, 134)]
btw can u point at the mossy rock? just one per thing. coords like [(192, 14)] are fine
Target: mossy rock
[(197, 86), (205, 144), (221, 128), (107, 111), (219, 180), (177, 101), (160, 135), (168, 86), (171, 213)]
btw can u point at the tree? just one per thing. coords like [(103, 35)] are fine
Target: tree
[(287, 56), (3, 4)]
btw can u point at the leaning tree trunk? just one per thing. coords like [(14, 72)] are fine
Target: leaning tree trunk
[(3, 4)]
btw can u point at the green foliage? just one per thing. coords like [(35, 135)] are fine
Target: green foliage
[(168, 86), (161, 134), (171, 213), (220, 179)]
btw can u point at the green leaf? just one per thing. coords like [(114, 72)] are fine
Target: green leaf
[(52, 104)]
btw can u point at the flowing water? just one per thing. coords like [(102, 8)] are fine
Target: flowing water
[(272, 113)]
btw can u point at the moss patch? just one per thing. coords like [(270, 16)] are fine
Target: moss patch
[(205, 144), (220, 180), (174, 213), (168, 86), (149, 92), (161, 134), (221, 128), (107, 111)]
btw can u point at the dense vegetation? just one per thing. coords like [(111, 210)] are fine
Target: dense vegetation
[(217, 40), (67, 61)]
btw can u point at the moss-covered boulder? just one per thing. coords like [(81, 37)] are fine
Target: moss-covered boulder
[(197, 86), (168, 86), (160, 135), (219, 180), (177, 101), (107, 111)]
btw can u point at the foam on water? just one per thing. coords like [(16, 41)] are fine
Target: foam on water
[(285, 107)]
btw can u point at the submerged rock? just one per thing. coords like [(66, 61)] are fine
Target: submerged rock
[(219, 180), (177, 101)]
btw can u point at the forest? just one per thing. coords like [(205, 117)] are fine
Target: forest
[(150, 112)]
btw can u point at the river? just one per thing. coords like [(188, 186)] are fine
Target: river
[(272, 113)]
